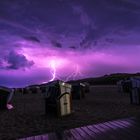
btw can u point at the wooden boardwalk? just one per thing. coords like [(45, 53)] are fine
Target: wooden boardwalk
[(122, 129)]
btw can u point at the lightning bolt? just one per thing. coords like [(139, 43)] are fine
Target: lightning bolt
[(74, 74), (53, 70), (77, 72)]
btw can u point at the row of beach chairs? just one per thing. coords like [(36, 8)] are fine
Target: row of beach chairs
[(58, 95)]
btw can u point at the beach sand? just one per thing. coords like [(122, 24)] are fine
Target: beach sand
[(103, 103)]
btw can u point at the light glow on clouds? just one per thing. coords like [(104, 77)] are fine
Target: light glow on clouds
[(70, 65), (66, 62)]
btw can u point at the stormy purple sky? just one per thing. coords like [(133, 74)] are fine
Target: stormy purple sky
[(80, 38)]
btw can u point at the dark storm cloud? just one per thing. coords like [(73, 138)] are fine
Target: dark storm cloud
[(84, 18), (126, 5), (96, 19), (32, 38), (111, 18), (41, 29), (56, 44), (72, 47), (101, 21), (17, 61), (109, 40)]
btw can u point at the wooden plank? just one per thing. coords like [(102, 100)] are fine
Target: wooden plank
[(37, 137), (112, 131), (94, 130), (98, 134), (121, 131), (44, 137), (68, 135), (135, 122), (89, 132), (106, 131), (40, 137), (52, 136), (99, 128), (109, 131), (132, 121), (116, 131), (30, 138), (76, 135), (83, 133), (132, 129)]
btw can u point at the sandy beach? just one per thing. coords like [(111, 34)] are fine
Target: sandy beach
[(28, 117)]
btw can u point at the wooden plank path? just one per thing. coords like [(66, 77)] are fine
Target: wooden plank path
[(122, 129)]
